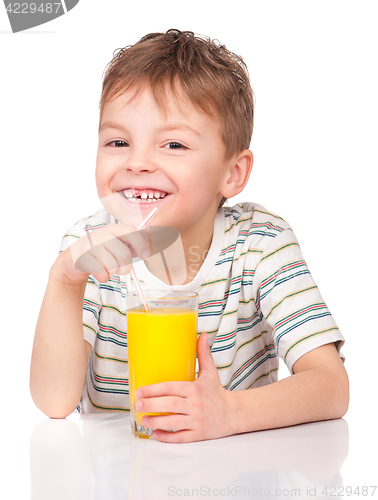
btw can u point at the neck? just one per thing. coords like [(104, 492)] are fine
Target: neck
[(180, 263)]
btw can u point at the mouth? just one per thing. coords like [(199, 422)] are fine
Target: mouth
[(144, 195)]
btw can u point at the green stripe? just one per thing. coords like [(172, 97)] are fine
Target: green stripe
[(255, 250), (69, 235), (263, 376), (105, 408), (279, 250), (308, 337), (208, 283), (268, 213), (230, 312), (108, 358), (312, 313), (114, 308), (246, 302), (288, 297), (90, 328), (225, 367), (109, 329)]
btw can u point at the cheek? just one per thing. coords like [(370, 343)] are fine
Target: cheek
[(102, 180)]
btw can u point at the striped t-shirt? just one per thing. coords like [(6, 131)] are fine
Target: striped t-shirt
[(257, 302)]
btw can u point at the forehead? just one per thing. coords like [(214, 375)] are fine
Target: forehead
[(167, 103)]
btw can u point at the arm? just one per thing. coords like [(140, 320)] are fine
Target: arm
[(204, 410), (318, 390), (60, 354)]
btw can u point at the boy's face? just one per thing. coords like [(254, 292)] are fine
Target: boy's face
[(174, 162)]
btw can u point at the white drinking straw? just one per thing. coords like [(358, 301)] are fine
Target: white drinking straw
[(134, 276)]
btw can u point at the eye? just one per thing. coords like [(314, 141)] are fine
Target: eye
[(117, 144), (175, 145)]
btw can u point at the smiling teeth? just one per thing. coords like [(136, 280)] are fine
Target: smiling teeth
[(143, 196)]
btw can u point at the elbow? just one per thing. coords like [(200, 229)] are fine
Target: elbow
[(345, 402), (345, 406), (342, 397), (53, 409), (342, 407), (56, 411)]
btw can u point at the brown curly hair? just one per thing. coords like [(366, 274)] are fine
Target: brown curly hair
[(214, 79)]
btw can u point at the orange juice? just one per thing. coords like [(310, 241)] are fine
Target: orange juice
[(161, 347)]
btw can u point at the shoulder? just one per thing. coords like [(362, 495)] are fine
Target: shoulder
[(253, 213), (251, 233), (254, 222), (85, 225)]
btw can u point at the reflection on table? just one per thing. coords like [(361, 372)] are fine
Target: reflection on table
[(97, 458)]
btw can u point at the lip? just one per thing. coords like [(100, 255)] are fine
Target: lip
[(150, 188)]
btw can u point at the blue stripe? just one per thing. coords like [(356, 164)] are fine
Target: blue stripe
[(93, 311), (123, 393), (318, 316), (270, 356), (113, 341), (284, 280), (238, 330)]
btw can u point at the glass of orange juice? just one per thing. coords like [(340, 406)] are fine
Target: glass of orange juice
[(162, 343)]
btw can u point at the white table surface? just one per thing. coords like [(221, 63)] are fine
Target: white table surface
[(95, 457)]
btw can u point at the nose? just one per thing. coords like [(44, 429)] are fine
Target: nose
[(140, 161)]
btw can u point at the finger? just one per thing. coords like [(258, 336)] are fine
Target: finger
[(205, 359), (107, 259), (87, 257), (184, 436), (109, 246), (104, 258), (96, 268), (166, 422), (109, 256), (101, 277), (124, 270), (118, 255), (87, 263), (163, 404), (129, 235), (179, 389)]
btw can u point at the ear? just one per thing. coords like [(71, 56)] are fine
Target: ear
[(237, 174)]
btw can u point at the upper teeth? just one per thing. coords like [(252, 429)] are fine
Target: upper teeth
[(144, 194)]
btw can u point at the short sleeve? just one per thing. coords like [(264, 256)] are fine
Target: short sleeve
[(290, 301), (92, 296)]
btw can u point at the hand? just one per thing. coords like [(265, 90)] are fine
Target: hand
[(103, 252), (202, 408)]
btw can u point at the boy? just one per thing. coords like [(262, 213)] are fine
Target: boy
[(176, 119)]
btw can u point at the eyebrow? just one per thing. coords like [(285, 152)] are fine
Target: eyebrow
[(110, 124), (171, 126), (179, 126)]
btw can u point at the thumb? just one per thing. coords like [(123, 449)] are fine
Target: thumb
[(205, 359), (102, 277)]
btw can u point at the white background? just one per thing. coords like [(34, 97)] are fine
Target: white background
[(313, 67)]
